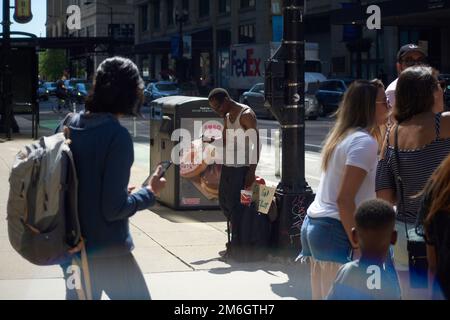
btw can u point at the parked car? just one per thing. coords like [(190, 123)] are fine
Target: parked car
[(81, 91), (70, 86), (147, 81), (312, 81), (330, 94), (446, 78), (51, 87), (255, 99), (160, 89), (42, 93)]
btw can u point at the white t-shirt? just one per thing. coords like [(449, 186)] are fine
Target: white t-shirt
[(358, 149), (390, 93)]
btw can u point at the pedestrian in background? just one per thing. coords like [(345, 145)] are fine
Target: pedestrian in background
[(423, 143), (103, 154), (409, 55), (349, 160), (61, 93)]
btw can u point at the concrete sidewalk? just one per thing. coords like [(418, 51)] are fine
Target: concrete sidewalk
[(177, 251)]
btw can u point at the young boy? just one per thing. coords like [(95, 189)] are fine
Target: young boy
[(371, 277)]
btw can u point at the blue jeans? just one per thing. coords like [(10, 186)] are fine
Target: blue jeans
[(325, 239)]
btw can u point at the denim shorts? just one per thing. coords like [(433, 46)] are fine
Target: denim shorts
[(325, 239)]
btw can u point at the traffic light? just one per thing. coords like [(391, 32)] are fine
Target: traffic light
[(22, 11)]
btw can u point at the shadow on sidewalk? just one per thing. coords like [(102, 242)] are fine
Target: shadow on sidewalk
[(188, 216), (298, 285)]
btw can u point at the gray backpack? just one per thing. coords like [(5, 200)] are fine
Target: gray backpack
[(42, 208)]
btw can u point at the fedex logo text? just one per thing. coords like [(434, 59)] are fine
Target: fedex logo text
[(247, 66)]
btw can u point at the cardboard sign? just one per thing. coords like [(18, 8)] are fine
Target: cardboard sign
[(262, 197)]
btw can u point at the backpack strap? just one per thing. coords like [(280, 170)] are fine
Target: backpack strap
[(86, 273), (399, 180), (85, 292), (438, 125)]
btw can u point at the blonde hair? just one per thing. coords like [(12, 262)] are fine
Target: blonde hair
[(357, 110)]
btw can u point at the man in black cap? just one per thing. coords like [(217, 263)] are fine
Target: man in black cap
[(409, 55)]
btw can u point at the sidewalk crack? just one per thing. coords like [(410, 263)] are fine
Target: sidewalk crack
[(164, 248)]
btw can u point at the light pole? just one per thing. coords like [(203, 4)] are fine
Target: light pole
[(285, 94), (181, 17), (110, 33), (6, 95)]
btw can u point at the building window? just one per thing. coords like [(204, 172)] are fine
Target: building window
[(247, 33), (144, 17), (203, 8), (224, 6), (156, 14), (123, 31), (247, 4), (170, 12)]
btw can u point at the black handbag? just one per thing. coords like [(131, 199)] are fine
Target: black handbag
[(416, 246)]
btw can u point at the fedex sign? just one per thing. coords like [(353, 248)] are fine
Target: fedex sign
[(247, 65)]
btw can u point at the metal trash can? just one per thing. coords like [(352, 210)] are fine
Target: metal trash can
[(190, 186)]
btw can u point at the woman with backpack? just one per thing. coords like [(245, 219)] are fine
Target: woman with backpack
[(349, 160), (414, 148), (103, 155)]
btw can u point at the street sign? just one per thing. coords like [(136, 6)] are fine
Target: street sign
[(22, 11)]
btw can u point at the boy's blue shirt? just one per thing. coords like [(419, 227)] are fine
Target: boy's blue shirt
[(357, 280), (103, 154)]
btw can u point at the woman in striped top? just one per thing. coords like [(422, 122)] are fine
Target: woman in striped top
[(423, 143)]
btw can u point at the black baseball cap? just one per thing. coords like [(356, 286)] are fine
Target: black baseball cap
[(409, 48)]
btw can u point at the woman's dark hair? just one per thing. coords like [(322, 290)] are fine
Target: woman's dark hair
[(118, 88), (438, 189), (415, 92)]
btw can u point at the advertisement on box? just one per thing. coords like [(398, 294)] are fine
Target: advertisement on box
[(199, 180)]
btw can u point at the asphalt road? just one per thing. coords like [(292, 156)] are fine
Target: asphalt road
[(316, 131)]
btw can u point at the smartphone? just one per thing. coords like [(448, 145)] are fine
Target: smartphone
[(165, 166)]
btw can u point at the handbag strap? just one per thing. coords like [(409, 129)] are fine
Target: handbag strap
[(398, 178)]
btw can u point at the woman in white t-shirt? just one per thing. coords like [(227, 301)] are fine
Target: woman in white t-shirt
[(349, 162)]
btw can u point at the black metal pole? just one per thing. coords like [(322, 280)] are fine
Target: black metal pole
[(111, 36), (6, 74), (286, 95), (181, 53)]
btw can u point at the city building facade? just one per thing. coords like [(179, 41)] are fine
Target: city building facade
[(103, 19), (226, 42)]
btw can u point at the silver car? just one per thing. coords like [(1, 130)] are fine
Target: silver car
[(255, 99)]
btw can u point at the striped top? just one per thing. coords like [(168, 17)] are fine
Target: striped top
[(417, 166)]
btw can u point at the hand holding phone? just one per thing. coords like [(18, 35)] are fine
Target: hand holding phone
[(156, 182)]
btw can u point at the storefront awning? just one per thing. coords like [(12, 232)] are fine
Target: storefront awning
[(154, 46)]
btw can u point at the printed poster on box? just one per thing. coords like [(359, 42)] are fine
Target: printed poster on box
[(199, 178)]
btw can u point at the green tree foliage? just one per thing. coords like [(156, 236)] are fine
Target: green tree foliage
[(52, 63)]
